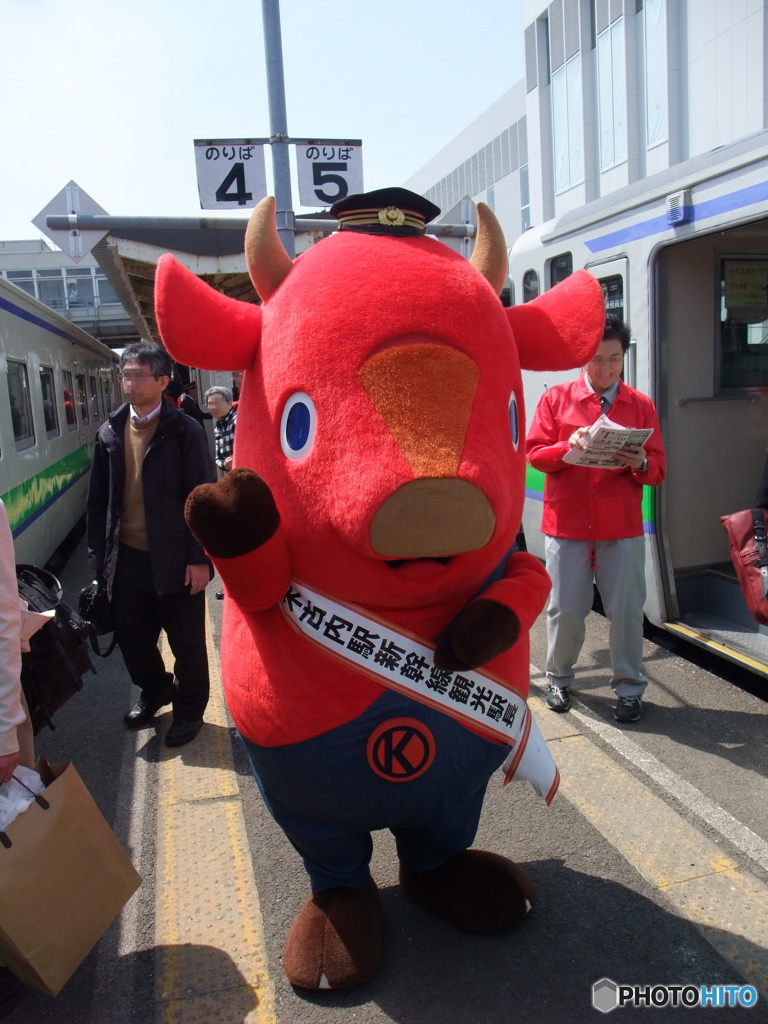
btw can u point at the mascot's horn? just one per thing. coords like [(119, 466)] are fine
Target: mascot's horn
[(490, 252), (268, 262)]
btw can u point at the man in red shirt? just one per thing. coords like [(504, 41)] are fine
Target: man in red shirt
[(593, 522)]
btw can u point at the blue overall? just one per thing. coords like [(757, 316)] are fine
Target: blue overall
[(328, 798)]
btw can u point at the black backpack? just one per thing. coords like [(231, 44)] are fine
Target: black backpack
[(52, 669)]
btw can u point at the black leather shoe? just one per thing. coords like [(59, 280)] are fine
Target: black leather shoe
[(219, 595), (143, 711), (182, 731)]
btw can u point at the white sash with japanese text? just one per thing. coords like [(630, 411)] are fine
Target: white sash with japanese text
[(405, 662)]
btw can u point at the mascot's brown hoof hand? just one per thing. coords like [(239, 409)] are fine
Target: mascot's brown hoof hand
[(475, 891), (337, 941), (479, 633), (234, 516)]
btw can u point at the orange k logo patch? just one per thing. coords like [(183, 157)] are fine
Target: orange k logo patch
[(400, 749)]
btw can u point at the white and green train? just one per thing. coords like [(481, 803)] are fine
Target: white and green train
[(60, 384), (683, 257)]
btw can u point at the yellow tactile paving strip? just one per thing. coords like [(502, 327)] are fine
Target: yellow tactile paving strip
[(726, 903), (210, 963)]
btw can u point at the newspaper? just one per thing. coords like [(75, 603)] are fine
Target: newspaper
[(603, 439)]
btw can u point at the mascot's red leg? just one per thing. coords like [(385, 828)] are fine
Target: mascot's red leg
[(475, 891), (337, 941)]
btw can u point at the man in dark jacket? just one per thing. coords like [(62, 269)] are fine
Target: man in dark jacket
[(188, 403), (147, 458)]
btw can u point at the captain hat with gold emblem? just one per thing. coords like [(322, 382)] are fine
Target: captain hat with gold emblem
[(387, 211)]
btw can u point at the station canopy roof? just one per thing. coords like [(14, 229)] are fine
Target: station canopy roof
[(128, 257)]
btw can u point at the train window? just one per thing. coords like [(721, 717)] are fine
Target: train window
[(613, 294), (49, 402), (21, 406), (743, 361), (94, 399), (560, 268), (105, 398), (69, 403), (81, 399), (530, 285)]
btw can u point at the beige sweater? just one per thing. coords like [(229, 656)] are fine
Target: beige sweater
[(133, 523)]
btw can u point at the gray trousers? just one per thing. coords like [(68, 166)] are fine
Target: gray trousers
[(619, 572)]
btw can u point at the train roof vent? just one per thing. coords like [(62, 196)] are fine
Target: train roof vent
[(679, 207)]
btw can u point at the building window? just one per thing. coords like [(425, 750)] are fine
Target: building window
[(106, 291), (50, 288), (656, 71), (21, 406), (69, 402), (567, 127), (530, 285), (525, 199), (82, 399), (612, 95), (49, 402), (22, 279), (79, 288)]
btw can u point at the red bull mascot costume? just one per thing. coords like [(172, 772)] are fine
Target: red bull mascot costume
[(375, 647)]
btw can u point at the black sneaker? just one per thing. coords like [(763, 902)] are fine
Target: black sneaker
[(557, 698), (628, 709)]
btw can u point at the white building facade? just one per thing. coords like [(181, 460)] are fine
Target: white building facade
[(614, 91)]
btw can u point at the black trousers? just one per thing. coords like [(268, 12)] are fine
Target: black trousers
[(140, 615)]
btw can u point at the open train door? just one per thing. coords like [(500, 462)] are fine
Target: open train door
[(710, 320)]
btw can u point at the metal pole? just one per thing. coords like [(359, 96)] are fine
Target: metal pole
[(107, 223), (278, 124)]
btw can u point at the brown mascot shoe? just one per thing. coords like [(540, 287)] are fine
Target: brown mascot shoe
[(475, 891), (337, 941)]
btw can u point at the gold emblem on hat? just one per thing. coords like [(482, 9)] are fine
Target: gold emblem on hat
[(392, 217)]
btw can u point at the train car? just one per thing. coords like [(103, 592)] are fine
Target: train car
[(60, 385), (682, 256)]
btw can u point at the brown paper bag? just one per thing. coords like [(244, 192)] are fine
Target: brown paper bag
[(63, 880)]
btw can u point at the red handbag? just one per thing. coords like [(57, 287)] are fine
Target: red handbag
[(749, 554)]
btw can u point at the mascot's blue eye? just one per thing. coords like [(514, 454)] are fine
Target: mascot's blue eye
[(297, 429), (514, 421)]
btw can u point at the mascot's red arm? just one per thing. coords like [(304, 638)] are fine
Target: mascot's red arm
[(492, 623), (238, 524)]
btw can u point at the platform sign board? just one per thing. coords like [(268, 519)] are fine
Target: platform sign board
[(329, 170), (231, 174)]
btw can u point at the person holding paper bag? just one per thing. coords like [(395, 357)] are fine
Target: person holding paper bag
[(593, 521)]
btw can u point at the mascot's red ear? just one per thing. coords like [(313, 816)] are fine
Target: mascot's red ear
[(200, 326), (563, 328)]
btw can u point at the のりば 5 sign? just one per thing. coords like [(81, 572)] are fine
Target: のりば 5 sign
[(329, 170), (230, 173)]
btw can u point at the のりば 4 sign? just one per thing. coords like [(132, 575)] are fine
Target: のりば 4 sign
[(329, 170), (230, 173)]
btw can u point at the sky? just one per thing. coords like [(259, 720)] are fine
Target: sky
[(112, 93)]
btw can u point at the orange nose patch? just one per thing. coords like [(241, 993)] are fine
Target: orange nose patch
[(424, 394)]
